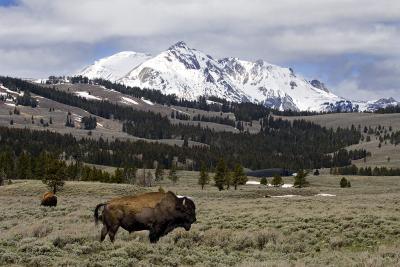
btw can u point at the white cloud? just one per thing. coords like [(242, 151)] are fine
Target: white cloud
[(56, 36)]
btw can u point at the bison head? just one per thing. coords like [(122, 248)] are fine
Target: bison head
[(188, 209)]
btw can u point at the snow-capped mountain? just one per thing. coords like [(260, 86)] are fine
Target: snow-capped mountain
[(189, 73), (185, 72), (114, 67)]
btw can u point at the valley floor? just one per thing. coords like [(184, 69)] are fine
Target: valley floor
[(359, 226)]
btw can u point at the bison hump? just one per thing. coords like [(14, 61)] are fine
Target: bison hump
[(135, 204)]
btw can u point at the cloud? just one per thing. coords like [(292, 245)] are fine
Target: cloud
[(56, 36)]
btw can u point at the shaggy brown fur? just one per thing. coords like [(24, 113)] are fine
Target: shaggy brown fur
[(49, 200), (158, 212)]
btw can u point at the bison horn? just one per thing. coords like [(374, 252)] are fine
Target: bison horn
[(184, 201)]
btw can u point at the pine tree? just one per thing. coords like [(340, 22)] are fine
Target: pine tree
[(228, 179), (277, 181), (300, 179), (185, 142), (159, 172), (2, 176), (343, 182), (264, 181), (204, 178), (118, 176), (24, 169), (220, 175), (54, 175), (129, 174), (172, 174), (238, 178)]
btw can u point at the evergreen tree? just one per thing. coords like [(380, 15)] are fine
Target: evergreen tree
[(24, 169), (129, 174), (300, 179), (185, 142), (172, 174), (277, 181), (2, 176), (264, 181), (204, 178), (118, 176), (228, 179), (54, 175), (159, 172), (238, 178), (220, 174), (343, 182)]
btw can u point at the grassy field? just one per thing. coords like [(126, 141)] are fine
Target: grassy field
[(360, 226)]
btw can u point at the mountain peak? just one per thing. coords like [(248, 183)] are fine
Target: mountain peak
[(189, 73), (179, 45)]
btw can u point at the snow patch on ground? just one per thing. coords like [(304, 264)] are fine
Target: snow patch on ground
[(284, 196), (106, 89), (209, 102), (252, 183), (77, 117), (12, 92), (86, 95), (180, 111), (147, 101), (100, 125), (269, 185), (127, 100), (10, 104), (325, 195)]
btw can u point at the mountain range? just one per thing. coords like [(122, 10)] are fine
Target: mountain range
[(189, 73)]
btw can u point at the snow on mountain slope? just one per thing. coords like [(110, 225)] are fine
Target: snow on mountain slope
[(276, 86), (189, 73), (185, 72), (114, 67)]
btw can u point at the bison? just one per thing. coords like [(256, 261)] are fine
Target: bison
[(158, 212), (49, 200)]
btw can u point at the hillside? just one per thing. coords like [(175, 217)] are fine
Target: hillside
[(379, 154), (276, 143)]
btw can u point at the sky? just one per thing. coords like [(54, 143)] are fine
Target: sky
[(353, 46)]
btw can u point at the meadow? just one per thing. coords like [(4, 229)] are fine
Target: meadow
[(359, 226)]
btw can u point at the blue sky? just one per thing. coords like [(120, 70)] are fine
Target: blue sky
[(351, 45), (7, 3)]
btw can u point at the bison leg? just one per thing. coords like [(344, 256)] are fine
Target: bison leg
[(112, 232), (154, 236), (104, 232)]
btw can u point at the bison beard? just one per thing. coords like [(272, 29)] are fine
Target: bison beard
[(159, 212), (49, 200)]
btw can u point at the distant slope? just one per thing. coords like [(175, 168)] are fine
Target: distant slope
[(344, 120)]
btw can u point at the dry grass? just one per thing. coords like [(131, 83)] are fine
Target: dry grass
[(358, 227)]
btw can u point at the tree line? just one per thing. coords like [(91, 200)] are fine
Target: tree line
[(365, 171)]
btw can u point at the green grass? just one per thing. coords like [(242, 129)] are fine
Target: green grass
[(358, 227)]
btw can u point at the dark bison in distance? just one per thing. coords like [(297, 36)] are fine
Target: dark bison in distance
[(158, 212), (49, 200)]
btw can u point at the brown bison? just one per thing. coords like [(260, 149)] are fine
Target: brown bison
[(49, 200), (158, 212)]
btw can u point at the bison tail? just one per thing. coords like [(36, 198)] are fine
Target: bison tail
[(96, 213)]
